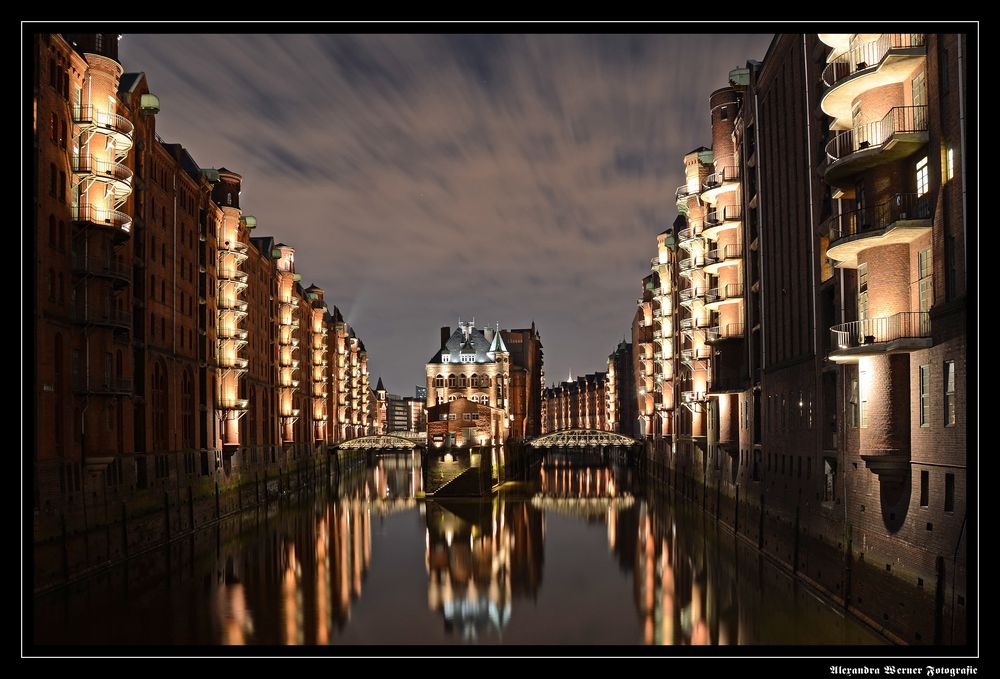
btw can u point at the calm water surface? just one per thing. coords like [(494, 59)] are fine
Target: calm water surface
[(577, 555)]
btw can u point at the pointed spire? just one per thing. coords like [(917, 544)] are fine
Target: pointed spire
[(498, 346), (379, 387)]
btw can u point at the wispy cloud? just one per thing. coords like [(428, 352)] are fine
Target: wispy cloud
[(422, 178)]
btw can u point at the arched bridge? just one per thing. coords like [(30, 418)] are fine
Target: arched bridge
[(382, 442), (582, 438)]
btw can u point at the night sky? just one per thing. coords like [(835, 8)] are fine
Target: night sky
[(424, 178)]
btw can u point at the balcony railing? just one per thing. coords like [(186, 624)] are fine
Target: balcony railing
[(729, 291), (102, 168), (899, 120), (110, 317), (717, 179), (693, 397), (101, 266), (688, 233), (724, 331), (688, 294), (868, 55), (120, 385), (726, 213), (683, 192), (655, 263), (88, 115), (730, 251), (902, 206), (700, 354), (692, 263), (89, 214), (237, 363), (233, 403), (904, 325)]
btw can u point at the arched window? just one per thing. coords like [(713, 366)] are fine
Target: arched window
[(451, 398), (229, 199), (439, 381), (53, 128), (52, 179), (462, 381), (62, 236), (452, 381), (52, 231), (484, 381)]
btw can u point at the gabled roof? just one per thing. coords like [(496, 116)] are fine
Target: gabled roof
[(498, 345), (458, 344)]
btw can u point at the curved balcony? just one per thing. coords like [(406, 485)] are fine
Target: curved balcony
[(100, 267), (728, 255), (702, 353), (899, 134), (900, 333), (656, 265), (889, 59), (116, 222), (227, 342), (689, 235), (118, 175), (689, 265), (722, 219), (112, 125), (236, 334), (724, 180), (683, 192), (902, 219), (237, 404), (723, 332), (232, 275), (236, 306), (692, 397), (691, 324), (234, 249), (692, 295), (235, 363), (107, 318), (716, 297)]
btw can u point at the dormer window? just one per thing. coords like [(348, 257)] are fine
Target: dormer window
[(468, 358), (445, 358)]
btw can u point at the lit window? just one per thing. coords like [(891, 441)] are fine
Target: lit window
[(922, 176), (925, 281), (951, 163), (949, 393), (863, 291), (925, 395), (445, 358)]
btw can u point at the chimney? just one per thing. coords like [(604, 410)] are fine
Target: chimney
[(445, 334)]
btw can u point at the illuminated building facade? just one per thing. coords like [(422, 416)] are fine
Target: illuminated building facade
[(167, 333), (620, 389), (472, 363), (580, 404), (527, 378)]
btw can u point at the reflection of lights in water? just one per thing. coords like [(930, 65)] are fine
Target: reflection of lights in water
[(448, 536), (448, 457)]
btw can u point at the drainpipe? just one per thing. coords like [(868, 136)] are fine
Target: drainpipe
[(812, 234), (173, 332), (961, 120)]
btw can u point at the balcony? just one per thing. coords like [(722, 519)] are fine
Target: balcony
[(722, 219), (702, 353), (901, 333), (656, 265), (689, 325), (107, 387), (692, 295), (716, 297), (100, 267), (727, 255), (235, 334), (683, 192), (235, 306), (902, 219), (237, 404), (118, 175), (689, 265), (109, 124), (108, 318), (689, 235), (722, 181), (693, 397), (889, 59), (117, 223), (718, 333), (235, 363), (900, 133)]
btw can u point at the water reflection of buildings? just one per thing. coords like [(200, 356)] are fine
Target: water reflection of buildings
[(479, 558)]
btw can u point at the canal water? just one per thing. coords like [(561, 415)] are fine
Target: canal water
[(578, 554)]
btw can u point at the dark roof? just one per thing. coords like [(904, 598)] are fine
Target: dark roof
[(128, 81), (457, 343), (379, 387), (698, 150)]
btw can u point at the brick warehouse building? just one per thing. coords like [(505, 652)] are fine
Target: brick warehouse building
[(830, 425), (171, 342), (580, 404)]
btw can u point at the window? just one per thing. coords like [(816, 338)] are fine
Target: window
[(949, 492), (53, 74), (445, 358), (829, 479), (439, 381), (725, 113), (451, 416), (444, 417), (52, 179), (925, 395), (52, 231), (863, 410), (62, 185), (949, 393), (62, 135), (943, 71), (452, 381), (924, 484), (918, 88), (949, 269), (53, 128), (52, 285), (462, 381), (466, 416), (925, 281), (950, 157), (922, 176), (863, 291)]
